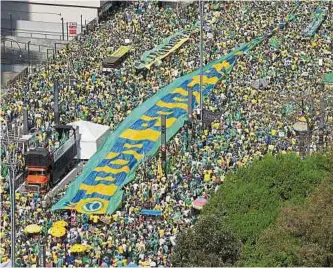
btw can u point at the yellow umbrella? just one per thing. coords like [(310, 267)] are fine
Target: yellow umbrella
[(78, 248), (57, 231), (302, 119), (32, 229), (61, 223)]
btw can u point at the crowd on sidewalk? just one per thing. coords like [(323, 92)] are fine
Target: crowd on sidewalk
[(252, 122)]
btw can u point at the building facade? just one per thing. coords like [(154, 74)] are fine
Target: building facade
[(48, 19)]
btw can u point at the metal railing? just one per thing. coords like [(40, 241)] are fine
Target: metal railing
[(91, 26), (33, 34), (19, 181), (25, 47)]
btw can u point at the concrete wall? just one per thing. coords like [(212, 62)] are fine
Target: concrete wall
[(42, 19), (6, 76), (11, 69), (82, 3), (16, 56)]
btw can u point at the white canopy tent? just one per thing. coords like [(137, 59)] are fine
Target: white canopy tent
[(92, 137)]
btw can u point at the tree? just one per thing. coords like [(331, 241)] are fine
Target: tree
[(210, 243), (302, 235), (264, 207)]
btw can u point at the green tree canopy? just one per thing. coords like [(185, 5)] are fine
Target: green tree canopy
[(246, 208), (210, 243)]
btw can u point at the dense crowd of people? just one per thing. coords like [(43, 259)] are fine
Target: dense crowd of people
[(252, 122)]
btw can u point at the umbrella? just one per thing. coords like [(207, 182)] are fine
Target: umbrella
[(302, 119), (61, 223), (57, 231), (77, 248), (300, 126), (199, 203), (32, 229)]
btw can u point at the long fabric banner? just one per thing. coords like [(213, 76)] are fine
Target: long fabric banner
[(319, 17), (121, 51), (169, 45), (98, 190)]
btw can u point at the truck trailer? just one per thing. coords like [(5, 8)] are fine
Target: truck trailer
[(44, 169)]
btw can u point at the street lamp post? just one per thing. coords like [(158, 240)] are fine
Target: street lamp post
[(29, 63), (81, 24), (11, 24), (67, 30), (201, 58), (62, 27)]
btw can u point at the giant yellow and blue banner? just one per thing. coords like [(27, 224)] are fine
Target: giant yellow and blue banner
[(98, 190)]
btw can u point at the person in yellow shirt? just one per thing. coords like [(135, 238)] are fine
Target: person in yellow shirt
[(206, 176), (33, 258), (115, 217), (161, 232), (95, 218), (55, 257)]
